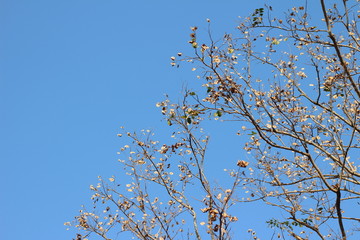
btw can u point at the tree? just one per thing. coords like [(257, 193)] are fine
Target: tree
[(293, 86)]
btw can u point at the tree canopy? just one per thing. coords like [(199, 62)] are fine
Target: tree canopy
[(290, 85)]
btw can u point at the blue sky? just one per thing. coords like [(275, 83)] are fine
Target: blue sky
[(73, 72)]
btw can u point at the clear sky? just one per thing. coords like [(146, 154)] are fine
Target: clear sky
[(71, 73)]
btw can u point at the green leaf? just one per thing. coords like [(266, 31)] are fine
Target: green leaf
[(218, 114), (188, 120), (275, 42)]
